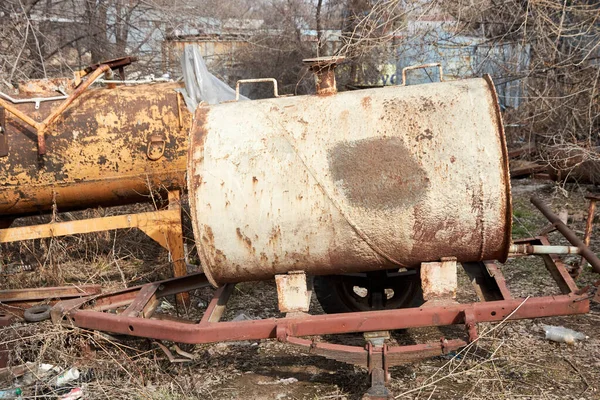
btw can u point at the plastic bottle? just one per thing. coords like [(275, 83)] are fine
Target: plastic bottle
[(562, 334), (67, 376), (10, 393)]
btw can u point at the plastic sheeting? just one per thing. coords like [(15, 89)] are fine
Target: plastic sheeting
[(200, 84)]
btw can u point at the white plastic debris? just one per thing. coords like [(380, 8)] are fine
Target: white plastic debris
[(67, 376), (200, 84), (38, 372), (166, 306), (563, 335), (45, 368), (241, 317)]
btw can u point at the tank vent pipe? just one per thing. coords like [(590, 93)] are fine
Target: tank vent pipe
[(323, 69)]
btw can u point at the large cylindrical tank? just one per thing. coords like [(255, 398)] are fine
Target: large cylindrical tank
[(110, 147), (356, 181)]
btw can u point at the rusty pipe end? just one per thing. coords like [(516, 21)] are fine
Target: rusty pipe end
[(323, 69), (109, 76), (41, 139)]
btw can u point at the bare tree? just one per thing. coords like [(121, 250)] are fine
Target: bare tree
[(560, 108)]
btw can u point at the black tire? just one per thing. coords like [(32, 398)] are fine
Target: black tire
[(37, 313), (336, 293)]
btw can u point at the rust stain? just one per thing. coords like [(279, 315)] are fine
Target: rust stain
[(96, 151), (366, 102), (428, 135), (208, 236), (377, 173)]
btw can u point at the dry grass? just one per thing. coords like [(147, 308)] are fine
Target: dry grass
[(510, 361)]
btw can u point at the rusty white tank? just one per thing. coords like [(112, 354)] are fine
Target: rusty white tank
[(355, 181)]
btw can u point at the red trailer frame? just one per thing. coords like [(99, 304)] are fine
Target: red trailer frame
[(132, 312)]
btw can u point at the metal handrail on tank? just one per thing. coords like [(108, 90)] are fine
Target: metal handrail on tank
[(412, 67), (41, 127), (258, 80), (36, 100)]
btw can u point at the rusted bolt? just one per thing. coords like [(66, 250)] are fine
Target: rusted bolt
[(323, 69)]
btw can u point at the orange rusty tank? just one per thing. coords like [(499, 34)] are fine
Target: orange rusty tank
[(111, 146)]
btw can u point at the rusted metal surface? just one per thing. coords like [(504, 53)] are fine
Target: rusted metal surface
[(292, 292), (117, 63), (14, 302), (439, 280), (41, 127), (377, 356), (589, 223), (89, 315), (358, 356), (589, 226), (96, 151), (360, 181), (378, 390), (557, 269), (488, 282), (163, 226), (138, 295), (323, 69), (145, 302), (218, 304), (585, 251), (46, 293), (45, 87), (150, 221)]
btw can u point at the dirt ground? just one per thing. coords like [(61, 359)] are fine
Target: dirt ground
[(512, 360)]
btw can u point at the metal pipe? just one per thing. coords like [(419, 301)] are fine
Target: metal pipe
[(585, 251), (363, 321), (526, 249), (41, 127), (17, 113), (36, 100), (589, 224), (323, 69), (134, 82)]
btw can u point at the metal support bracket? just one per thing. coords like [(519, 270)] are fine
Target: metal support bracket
[(292, 292), (163, 226), (439, 280)]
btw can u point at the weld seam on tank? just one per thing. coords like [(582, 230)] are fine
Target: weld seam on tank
[(331, 198), (506, 168), (481, 206), (189, 177), (324, 237)]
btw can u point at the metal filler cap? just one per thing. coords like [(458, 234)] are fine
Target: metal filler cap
[(324, 70)]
